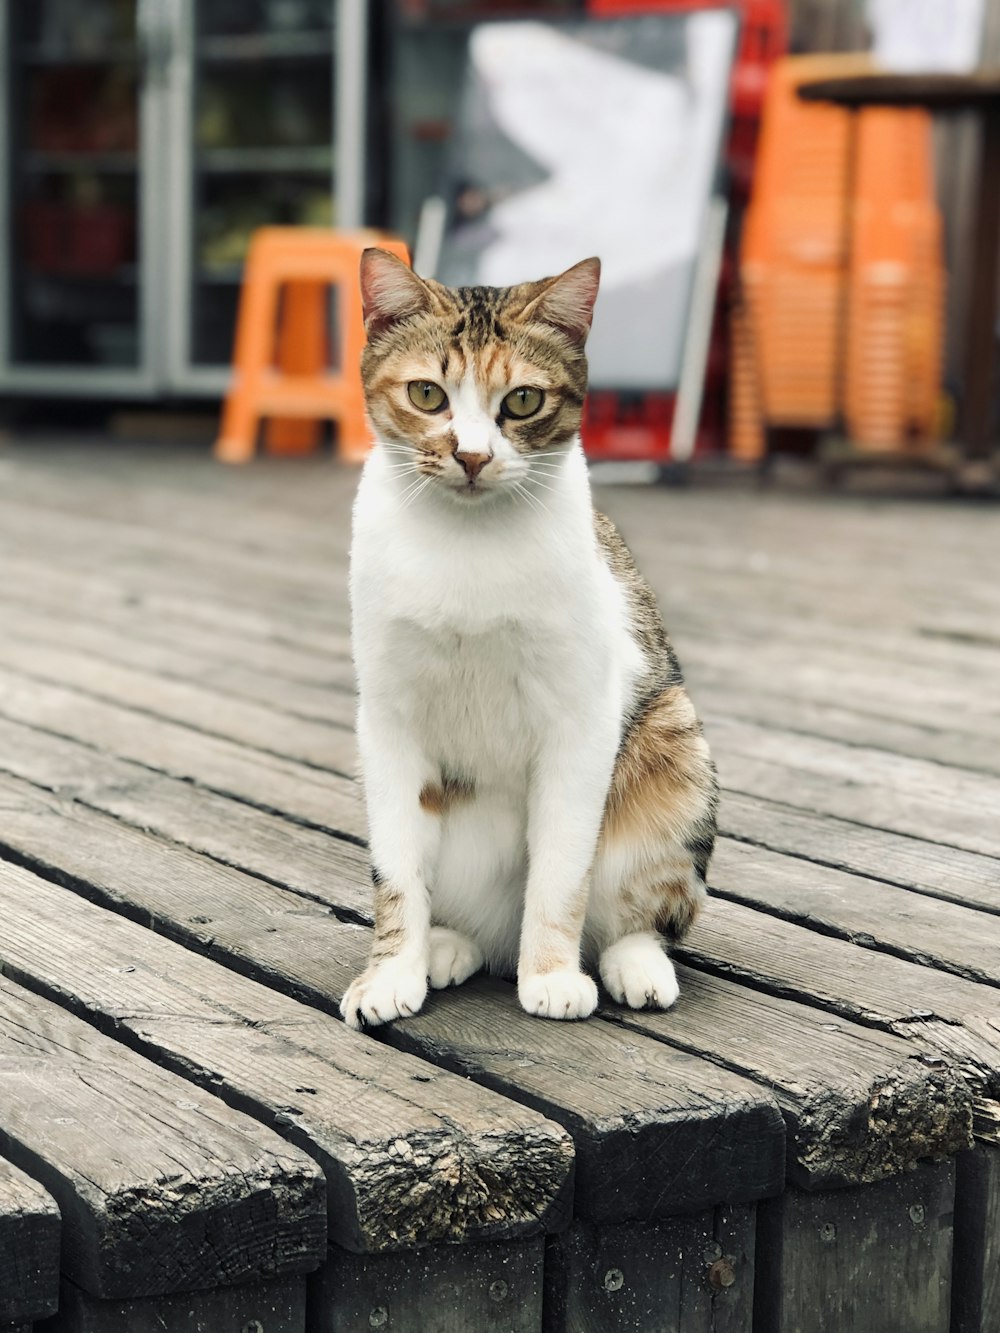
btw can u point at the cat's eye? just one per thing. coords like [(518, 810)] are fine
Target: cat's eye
[(521, 403), (427, 396)]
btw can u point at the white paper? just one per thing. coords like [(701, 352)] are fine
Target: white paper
[(915, 36)]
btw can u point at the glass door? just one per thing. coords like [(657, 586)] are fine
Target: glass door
[(74, 230), (256, 108)]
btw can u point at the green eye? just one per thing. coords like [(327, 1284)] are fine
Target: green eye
[(427, 396), (521, 403)]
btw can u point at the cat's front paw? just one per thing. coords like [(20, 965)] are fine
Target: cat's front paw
[(636, 971), (454, 957), (394, 988), (563, 994)]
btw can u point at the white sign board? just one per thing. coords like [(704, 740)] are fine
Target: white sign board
[(594, 138)]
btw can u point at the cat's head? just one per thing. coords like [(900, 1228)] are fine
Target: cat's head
[(478, 388)]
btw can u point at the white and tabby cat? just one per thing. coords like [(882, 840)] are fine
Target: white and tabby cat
[(540, 795)]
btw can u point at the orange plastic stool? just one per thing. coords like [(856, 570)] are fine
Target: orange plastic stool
[(287, 379)]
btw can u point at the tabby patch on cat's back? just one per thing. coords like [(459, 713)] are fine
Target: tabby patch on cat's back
[(541, 800)]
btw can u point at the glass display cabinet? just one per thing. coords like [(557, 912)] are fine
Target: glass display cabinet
[(143, 142)]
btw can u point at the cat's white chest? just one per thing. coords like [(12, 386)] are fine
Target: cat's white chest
[(468, 700)]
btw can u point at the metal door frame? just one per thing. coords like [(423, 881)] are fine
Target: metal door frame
[(91, 381), (349, 74)]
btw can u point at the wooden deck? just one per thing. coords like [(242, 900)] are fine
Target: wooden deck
[(806, 1144)]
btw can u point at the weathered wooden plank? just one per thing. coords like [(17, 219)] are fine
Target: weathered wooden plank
[(976, 1284), (942, 1016), (859, 1106), (439, 1289), (277, 938), (921, 695), (775, 704), (161, 1187), (328, 703), (319, 969), (213, 908), (411, 1154), (320, 744), (165, 562), (257, 1307), (656, 1134), (687, 1275), (725, 1134), (868, 786), (787, 959), (311, 795), (29, 1248), (227, 830), (874, 915), (872, 1258), (941, 872), (118, 591)]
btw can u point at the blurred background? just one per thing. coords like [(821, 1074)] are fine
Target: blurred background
[(778, 273)]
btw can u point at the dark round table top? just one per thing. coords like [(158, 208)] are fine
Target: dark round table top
[(938, 92)]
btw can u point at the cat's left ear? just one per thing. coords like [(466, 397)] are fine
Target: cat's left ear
[(390, 291), (567, 302)]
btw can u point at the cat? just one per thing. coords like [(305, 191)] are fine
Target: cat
[(539, 790)]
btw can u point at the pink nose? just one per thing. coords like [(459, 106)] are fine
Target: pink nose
[(473, 463)]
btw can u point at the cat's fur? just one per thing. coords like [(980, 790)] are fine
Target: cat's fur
[(539, 789)]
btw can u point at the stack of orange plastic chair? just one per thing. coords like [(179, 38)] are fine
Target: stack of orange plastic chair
[(896, 290), (838, 314)]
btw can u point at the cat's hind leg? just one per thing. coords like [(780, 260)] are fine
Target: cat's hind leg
[(657, 836), (636, 971)]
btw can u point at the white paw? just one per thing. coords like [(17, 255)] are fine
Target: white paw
[(637, 972), (454, 957), (395, 988), (558, 994)]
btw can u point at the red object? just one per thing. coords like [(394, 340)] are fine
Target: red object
[(643, 431), (74, 239)]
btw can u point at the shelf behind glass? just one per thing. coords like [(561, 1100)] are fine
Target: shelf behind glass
[(251, 161)]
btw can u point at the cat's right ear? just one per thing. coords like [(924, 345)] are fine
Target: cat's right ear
[(390, 291)]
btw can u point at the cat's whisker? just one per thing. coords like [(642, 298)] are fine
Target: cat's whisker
[(413, 486), (415, 491), (532, 499)]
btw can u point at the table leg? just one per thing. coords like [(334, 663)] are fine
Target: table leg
[(981, 331)]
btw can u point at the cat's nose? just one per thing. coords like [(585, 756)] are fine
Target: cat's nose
[(473, 463)]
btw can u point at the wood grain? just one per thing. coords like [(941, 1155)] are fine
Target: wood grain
[(688, 1275), (657, 1132), (439, 1289), (410, 1153), (161, 1187), (692, 1110), (878, 1258), (912, 862), (880, 916), (277, 1306), (324, 868), (858, 1105), (29, 1248), (976, 1284), (300, 792)]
